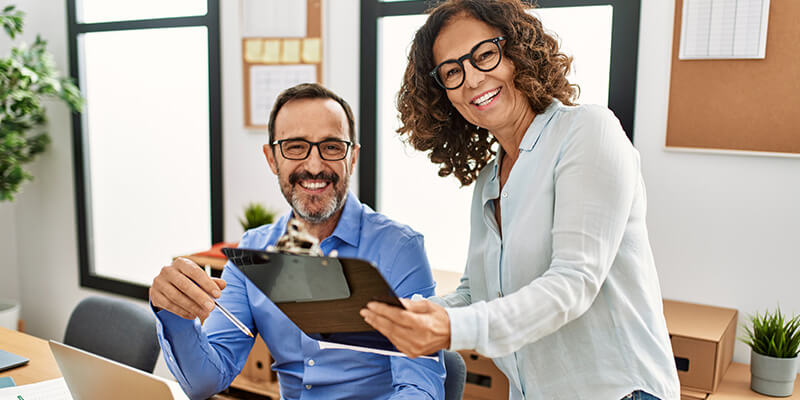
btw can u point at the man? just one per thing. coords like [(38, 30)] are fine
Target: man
[(313, 152)]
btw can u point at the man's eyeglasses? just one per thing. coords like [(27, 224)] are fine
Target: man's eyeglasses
[(299, 149), (485, 56)]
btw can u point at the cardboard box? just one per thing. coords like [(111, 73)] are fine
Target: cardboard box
[(702, 341), (687, 394), (484, 380), (257, 375)]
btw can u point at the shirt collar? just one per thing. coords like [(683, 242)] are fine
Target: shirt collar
[(348, 229), (492, 188), (534, 131), (532, 135), (496, 164)]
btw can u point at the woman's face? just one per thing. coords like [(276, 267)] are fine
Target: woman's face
[(486, 99)]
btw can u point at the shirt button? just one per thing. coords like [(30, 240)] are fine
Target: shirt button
[(308, 387), (311, 363), (505, 195)]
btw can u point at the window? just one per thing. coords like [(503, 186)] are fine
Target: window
[(146, 148), (400, 181)]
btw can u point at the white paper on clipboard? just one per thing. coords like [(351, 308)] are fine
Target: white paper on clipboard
[(267, 81), (323, 345)]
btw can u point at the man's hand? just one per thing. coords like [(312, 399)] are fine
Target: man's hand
[(421, 329), (184, 289)]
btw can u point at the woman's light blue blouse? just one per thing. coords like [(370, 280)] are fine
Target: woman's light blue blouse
[(566, 301)]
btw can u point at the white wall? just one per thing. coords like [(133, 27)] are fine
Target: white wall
[(9, 284), (247, 176), (723, 227)]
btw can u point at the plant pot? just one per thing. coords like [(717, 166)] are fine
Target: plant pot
[(9, 314), (772, 376)]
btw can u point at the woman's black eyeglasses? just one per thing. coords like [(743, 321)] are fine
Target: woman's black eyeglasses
[(485, 56), (299, 149)]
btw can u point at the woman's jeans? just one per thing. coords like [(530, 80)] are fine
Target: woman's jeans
[(640, 395)]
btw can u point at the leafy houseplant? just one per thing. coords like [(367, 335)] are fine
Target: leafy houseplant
[(256, 215), (774, 341), (27, 76)]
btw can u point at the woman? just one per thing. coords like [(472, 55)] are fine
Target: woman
[(560, 287)]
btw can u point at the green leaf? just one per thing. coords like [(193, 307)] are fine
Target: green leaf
[(27, 76), (772, 334), (256, 215)]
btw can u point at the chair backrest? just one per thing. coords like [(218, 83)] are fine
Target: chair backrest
[(456, 375), (116, 329)]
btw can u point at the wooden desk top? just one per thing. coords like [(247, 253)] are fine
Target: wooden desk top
[(735, 385), (42, 366)]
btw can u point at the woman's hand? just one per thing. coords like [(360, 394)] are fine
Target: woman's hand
[(421, 329)]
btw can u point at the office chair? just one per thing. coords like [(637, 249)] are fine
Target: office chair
[(116, 329), (456, 375)]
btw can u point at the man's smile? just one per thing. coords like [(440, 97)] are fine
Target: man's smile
[(314, 185)]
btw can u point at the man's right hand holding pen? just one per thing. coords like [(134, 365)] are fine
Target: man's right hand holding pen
[(184, 289)]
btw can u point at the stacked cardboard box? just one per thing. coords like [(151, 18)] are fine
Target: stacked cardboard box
[(257, 375), (484, 380), (702, 340)]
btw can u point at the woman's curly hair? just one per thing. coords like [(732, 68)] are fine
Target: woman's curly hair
[(429, 119)]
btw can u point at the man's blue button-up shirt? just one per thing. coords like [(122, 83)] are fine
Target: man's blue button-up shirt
[(205, 359)]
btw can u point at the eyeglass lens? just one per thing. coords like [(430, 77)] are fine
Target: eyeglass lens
[(485, 57), (330, 150)]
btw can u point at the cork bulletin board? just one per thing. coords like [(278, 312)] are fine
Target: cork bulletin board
[(749, 105), (273, 63)]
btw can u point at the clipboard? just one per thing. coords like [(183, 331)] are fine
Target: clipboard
[(321, 295)]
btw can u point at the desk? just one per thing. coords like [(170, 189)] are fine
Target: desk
[(735, 385), (42, 366)]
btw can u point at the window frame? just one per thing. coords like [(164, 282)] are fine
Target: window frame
[(621, 84), (210, 20)]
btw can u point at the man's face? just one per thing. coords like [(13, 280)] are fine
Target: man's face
[(315, 188)]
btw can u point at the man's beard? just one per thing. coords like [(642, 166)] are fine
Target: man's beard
[(331, 206)]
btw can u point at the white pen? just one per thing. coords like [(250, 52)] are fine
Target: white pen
[(228, 314)]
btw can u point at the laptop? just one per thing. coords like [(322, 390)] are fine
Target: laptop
[(10, 360), (91, 377)]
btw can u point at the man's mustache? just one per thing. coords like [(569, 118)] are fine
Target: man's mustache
[(295, 177)]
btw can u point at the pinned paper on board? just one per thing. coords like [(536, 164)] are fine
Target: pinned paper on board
[(267, 81), (312, 50), (273, 18), (290, 53), (252, 50), (724, 29), (272, 51), (285, 36)]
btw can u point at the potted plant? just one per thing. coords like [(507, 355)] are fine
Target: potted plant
[(256, 215), (27, 76), (774, 342)]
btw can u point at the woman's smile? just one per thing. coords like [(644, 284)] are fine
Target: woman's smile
[(484, 100)]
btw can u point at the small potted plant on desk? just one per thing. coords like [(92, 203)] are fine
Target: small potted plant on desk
[(774, 341), (256, 215)]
